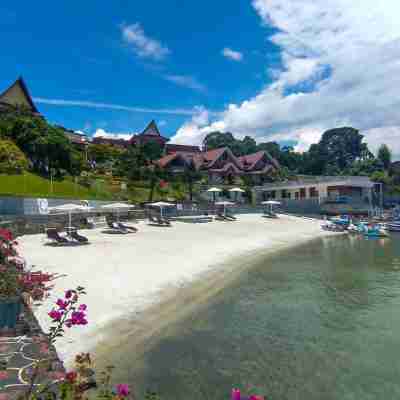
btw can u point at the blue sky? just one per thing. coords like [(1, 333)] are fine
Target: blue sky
[(72, 52), (272, 69)]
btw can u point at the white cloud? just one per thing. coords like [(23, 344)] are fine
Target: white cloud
[(93, 104), (102, 133), (389, 135), (340, 66), (141, 44), (186, 81), (232, 54)]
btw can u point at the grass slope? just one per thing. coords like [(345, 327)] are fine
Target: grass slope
[(30, 185)]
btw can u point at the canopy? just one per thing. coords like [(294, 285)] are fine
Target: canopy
[(161, 204), (224, 203), (214, 189), (272, 203), (237, 190), (118, 206), (69, 208)]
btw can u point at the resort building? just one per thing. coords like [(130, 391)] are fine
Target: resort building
[(221, 165), (320, 188), (150, 134), (17, 96)]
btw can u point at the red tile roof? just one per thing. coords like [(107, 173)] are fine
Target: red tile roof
[(174, 148)]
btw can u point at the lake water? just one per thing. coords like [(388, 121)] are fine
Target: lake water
[(321, 321)]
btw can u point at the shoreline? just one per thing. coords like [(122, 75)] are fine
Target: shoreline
[(157, 276)]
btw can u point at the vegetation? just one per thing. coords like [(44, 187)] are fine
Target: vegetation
[(12, 159)]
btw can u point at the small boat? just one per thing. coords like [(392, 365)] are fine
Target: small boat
[(374, 231), (393, 226)]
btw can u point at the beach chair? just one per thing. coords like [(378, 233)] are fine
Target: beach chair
[(153, 220), (79, 238), (54, 237), (115, 228), (230, 217), (127, 227), (220, 217)]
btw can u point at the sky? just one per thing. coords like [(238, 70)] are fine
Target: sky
[(271, 69)]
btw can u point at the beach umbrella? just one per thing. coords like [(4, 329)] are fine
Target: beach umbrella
[(214, 190), (225, 204), (118, 207), (271, 203), (161, 205), (69, 209), (236, 190)]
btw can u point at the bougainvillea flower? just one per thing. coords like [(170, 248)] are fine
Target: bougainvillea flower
[(3, 375), (122, 390), (62, 304), (235, 394), (68, 294), (55, 315), (254, 397), (82, 307), (71, 376)]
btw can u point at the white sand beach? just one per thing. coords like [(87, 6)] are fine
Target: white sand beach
[(126, 274)]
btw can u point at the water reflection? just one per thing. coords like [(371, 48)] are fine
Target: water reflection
[(317, 322)]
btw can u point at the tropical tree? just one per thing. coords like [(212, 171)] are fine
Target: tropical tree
[(12, 159), (385, 156)]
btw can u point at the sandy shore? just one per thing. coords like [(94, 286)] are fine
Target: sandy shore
[(126, 275)]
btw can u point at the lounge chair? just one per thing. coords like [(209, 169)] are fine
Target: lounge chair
[(127, 227), (230, 217), (220, 217), (56, 238), (115, 228), (153, 220), (79, 238)]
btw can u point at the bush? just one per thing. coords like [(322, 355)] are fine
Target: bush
[(12, 159)]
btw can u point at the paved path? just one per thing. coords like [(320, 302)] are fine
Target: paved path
[(17, 356)]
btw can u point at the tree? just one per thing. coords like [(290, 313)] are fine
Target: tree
[(385, 156), (190, 177), (152, 151), (45, 145)]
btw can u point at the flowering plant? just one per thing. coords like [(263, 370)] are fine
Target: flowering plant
[(15, 279)]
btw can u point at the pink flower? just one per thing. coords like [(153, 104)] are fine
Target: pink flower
[(235, 394), (3, 375), (55, 315), (71, 376), (57, 375), (4, 396), (82, 307), (254, 397), (68, 294), (62, 304), (122, 390)]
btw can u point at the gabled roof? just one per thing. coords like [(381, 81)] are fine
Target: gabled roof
[(164, 161), (151, 129), (249, 161), (11, 96)]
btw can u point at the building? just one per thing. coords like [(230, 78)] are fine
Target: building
[(171, 148), (78, 139), (121, 143), (17, 96), (322, 188), (221, 165), (150, 134)]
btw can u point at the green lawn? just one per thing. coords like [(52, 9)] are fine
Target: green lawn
[(30, 185)]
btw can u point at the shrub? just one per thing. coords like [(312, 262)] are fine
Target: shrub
[(12, 159)]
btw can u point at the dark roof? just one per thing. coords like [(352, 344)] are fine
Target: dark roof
[(20, 82), (174, 148), (151, 129)]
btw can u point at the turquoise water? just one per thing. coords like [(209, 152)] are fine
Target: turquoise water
[(321, 321)]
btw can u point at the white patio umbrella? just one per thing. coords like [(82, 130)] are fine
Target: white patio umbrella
[(118, 207), (271, 203), (161, 205), (69, 209), (236, 190), (214, 190), (225, 204)]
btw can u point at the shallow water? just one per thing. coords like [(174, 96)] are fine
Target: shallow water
[(321, 321)]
